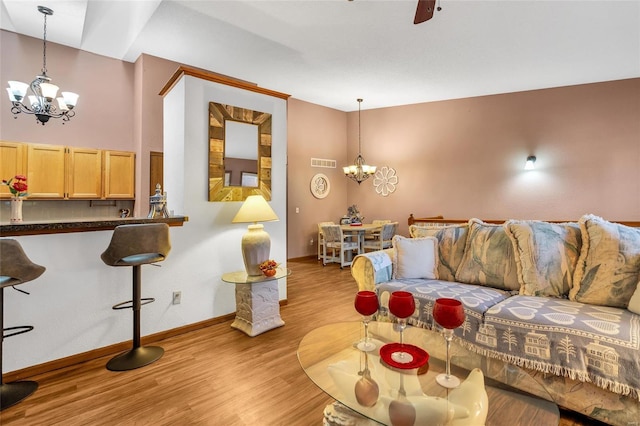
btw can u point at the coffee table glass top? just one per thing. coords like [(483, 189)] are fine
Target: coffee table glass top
[(330, 359)]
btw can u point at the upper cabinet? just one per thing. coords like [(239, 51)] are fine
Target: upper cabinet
[(57, 172), (13, 161), (84, 173), (46, 174), (119, 175)]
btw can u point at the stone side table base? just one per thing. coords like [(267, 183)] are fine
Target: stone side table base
[(257, 307)]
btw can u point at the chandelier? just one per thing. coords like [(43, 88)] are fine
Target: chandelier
[(44, 93), (359, 171)]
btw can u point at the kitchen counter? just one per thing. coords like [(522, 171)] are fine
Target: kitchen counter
[(80, 225)]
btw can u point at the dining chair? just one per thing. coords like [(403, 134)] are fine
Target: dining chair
[(383, 238), (370, 235), (321, 237), (340, 244)]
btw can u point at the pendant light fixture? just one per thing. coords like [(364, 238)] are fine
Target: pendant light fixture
[(359, 171), (41, 103)]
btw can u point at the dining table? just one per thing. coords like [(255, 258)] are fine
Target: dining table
[(359, 231)]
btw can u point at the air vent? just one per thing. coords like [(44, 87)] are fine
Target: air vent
[(324, 163)]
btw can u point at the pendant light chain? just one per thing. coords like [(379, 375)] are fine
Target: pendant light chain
[(359, 128), (44, 48)]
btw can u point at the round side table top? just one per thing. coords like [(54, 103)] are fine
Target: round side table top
[(241, 277)]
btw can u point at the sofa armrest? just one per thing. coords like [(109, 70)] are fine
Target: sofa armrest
[(371, 268)]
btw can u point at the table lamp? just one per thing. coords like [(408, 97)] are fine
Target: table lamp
[(255, 243)]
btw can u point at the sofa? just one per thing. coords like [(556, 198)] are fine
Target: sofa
[(561, 300)]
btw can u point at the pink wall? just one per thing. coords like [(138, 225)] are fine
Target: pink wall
[(152, 73), (313, 132), (465, 158), (104, 117)]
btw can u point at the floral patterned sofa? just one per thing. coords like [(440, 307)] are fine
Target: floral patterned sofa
[(561, 300)]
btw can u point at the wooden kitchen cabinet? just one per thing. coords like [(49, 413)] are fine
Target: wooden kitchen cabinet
[(57, 172), (84, 173), (13, 161), (46, 171), (119, 175)]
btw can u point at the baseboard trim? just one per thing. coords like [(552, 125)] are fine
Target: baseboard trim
[(297, 259), (114, 349)]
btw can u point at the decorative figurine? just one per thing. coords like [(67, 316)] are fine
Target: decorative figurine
[(158, 204)]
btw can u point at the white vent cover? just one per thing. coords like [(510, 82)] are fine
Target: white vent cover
[(322, 162)]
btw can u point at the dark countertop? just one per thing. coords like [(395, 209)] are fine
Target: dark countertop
[(79, 225)]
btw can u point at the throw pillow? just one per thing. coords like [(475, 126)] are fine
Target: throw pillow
[(546, 256), (608, 268), (415, 257), (488, 257), (451, 242), (634, 302)]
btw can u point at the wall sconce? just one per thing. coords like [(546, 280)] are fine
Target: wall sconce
[(530, 164)]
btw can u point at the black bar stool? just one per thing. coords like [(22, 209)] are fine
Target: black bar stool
[(15, 268), (137, 245)]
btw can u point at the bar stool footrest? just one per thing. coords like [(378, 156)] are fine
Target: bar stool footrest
[(129, 303), (135, 358), (20, 329), (12, 393)]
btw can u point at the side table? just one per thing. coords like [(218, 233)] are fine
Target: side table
[(257, 301)]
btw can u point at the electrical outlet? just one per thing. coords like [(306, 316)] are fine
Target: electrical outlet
[(311, 242), (177, 297)]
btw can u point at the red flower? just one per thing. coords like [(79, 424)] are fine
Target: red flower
[(17, 188)]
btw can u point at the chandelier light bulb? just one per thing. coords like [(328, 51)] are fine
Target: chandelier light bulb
[(18, 89), (62, 105), (49, 91)]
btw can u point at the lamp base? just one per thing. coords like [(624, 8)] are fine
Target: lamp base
[(256, 245)]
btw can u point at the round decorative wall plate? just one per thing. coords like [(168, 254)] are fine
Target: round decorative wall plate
[(320, 185)]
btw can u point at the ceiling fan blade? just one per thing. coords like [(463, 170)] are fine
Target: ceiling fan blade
[(424, 12)]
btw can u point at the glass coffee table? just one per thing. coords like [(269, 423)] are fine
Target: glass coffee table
[(411, 396)]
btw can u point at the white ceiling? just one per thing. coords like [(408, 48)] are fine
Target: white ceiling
[(332, 52)]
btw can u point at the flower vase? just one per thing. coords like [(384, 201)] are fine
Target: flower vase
[(16, 210)]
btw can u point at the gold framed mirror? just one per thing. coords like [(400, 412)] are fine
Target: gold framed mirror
[(239, 148)]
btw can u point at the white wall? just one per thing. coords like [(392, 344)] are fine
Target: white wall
[(210, 244), (70, 304)]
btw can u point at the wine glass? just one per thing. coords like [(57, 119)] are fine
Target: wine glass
[(402, 305), (366, 304), (449, 314)]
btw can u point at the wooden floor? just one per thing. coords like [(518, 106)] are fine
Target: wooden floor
[(213, 376)]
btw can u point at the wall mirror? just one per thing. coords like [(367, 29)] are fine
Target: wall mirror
[(239, 153)]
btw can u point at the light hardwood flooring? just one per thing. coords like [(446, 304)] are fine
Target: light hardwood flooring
[(213, 376)]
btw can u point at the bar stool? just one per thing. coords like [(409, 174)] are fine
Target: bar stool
[(15, 268), (137, 245)]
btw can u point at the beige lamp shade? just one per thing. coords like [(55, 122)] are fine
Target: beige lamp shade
[(256, 243), (255, 209)]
